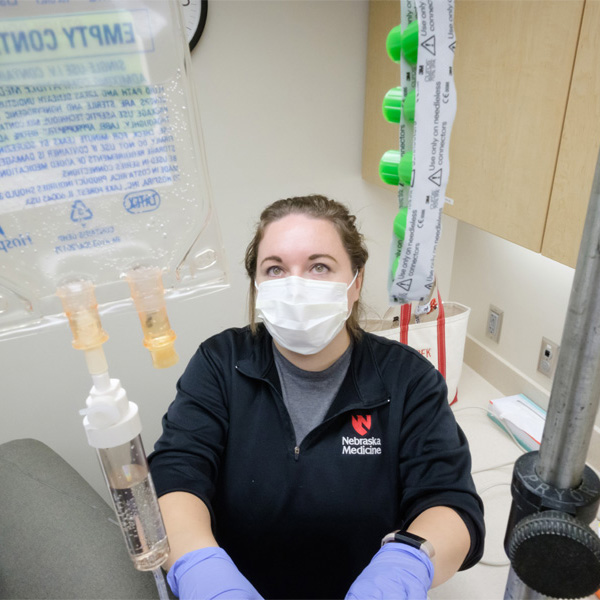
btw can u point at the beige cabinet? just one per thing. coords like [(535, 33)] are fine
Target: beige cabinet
[(527, 129), (578, 147)]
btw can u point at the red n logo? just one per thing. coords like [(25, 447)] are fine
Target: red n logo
[(361, 424)]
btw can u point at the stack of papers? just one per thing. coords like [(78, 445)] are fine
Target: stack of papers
[(519, 416)]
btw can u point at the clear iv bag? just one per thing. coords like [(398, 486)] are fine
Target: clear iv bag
[(102, 166)]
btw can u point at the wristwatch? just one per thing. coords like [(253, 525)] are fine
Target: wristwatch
[(410, 539)]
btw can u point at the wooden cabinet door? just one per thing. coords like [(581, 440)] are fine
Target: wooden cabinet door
[(578, 148), (513, 66)]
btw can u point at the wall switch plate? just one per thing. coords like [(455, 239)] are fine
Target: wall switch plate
[(494, 323), (548, 357)]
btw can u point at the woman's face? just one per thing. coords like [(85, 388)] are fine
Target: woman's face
[(306, 247)]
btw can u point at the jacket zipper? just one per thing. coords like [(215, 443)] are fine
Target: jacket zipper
[(276, 392), (345, 411)]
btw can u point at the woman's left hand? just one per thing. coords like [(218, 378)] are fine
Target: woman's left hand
[(396, 572)]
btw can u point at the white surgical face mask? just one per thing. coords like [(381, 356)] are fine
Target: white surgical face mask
[(303, 315)]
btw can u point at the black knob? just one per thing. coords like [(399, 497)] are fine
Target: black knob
[(555, 554)]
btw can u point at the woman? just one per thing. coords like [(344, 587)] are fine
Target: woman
[(295, 446)]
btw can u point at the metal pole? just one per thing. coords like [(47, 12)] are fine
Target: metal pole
[(576, 388), (575, 391)]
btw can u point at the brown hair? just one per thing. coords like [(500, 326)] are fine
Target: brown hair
[(318, 207)]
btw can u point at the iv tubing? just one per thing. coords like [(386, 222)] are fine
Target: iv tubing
[(161, 586)]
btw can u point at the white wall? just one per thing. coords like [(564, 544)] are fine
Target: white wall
[(532, 290), (281, 88)]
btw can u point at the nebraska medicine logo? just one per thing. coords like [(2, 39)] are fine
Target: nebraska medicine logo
[(363, 444)]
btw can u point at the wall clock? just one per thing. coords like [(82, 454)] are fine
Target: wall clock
[(194, 19)]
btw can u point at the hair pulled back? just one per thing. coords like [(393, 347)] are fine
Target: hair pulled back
[(317, 207)]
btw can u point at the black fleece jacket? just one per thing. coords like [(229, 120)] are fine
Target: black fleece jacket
[(302, 522)]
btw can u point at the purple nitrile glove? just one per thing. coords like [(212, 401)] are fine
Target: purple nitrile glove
[(209, 574), (396, 572)]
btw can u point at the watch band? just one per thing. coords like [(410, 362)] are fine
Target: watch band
[(410, 539)]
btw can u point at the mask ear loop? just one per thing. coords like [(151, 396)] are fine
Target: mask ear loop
[(351, 284)]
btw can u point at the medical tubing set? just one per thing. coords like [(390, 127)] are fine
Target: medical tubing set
[(423, 106), (104, 184), (552, 549), (112, 423), (113, 427)]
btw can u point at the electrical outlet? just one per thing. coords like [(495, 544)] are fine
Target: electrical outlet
[(494, 323), (548, 357)]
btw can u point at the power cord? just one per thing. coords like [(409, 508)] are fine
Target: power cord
[(494, 468), (491, 563), (507, 428)]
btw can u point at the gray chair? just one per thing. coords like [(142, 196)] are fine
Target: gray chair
[(58, 537)]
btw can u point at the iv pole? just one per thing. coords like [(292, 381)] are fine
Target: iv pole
[(555, 495)]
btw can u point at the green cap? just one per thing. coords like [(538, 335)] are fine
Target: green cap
[(389, 166), (393, 43), (405, 168), (410, 42), (400, 223), (409, 107), (392, 105)]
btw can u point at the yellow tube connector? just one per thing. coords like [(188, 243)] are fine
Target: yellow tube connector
[(80, 305), (149, 297)]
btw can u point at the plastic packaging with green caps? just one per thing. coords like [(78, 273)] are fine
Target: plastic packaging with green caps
[(400, 223), (393, 43), (389, 166), (392, 105), (400, 233), (408, 107), (410, 42), (405, 168)]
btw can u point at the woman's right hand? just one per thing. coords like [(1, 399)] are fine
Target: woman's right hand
[(209, 574), (198, 568)]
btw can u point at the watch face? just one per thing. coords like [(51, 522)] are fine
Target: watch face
[(194, 17), (410, 538)]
